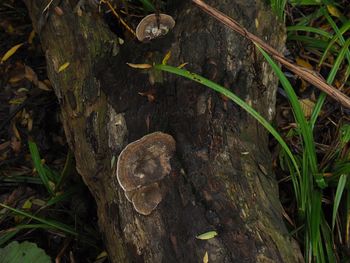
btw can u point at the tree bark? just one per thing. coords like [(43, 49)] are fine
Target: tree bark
[(221, 176)]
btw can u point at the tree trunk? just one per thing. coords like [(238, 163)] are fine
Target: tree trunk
[(221, 178)]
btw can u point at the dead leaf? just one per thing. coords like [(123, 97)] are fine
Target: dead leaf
[(303, 85), (42, 85), (10, 52), (15, 144), (303, 63), (26, 206), (16, 78), (22, 90), (4, 145), (17, 101), (307, 107), (39, 202), (30, 75), (30, 124), (206, 257), (15, 131), (263, 169), (63, 67), (182, 65), (102, 255), (10, 29), (207, 235), (58, 11), (334, 11), (150, 94), (166, 58), (31, 37), (139, 66)]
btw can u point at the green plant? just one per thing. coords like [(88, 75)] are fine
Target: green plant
[(307, 178), (23, 252), (147, 5), (47, 213), (278, 7)]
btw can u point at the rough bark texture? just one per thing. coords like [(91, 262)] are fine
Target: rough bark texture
[(221, 175)]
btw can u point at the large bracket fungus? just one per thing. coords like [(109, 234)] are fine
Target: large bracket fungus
[(141, 167), (153, 26)]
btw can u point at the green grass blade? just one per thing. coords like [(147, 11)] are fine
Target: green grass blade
[(307, 183), (278, 7), (330, 79), (242, 104), (34, 152), (342, 54), (11, 233), (311, 42), (338, 196), (6, 236), (344, 134), (147, 5), (320, 258), (335, 38), (49, 223), (61, 197), (347, 216), (315, 219), (305, 20), (305, 2), (342, 167), (327, 240), (20, 179), (310, 29), (338, 32), (67, 169), (305, 131)]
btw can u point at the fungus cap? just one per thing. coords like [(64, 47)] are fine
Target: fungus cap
[(148, 28), (145, 161), (140, 168), (147, 198)]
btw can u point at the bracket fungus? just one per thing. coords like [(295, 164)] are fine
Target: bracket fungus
[(141, 167), (153, 26)]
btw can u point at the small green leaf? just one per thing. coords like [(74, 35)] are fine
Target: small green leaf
[(23, 252), (34, 152), (207, 235)]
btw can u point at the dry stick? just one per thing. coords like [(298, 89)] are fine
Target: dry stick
[(304, 73)]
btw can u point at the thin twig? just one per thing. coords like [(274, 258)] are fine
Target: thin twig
[(308, 75), (119, 17)]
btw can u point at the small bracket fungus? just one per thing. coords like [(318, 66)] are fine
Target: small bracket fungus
[(151, 26), (141, 167)]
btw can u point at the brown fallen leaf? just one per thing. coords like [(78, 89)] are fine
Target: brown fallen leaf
[(139, 66), (30, 75), (307, 106), (43, 86), (150, 94), (4, 145), (15, 144)]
